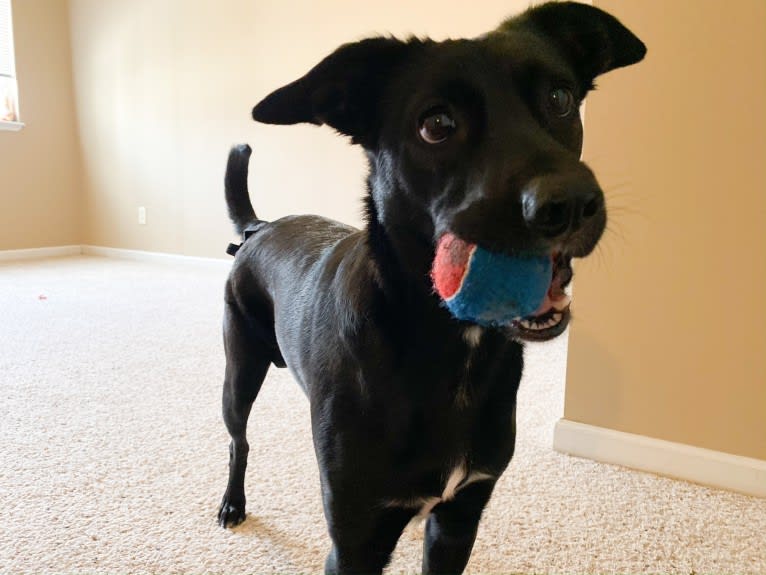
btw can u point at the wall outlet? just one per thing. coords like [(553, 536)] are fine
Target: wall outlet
[(142, 215)]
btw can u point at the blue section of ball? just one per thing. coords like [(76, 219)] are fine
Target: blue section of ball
[(498, 288)]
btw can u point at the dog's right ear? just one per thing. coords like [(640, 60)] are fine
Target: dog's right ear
[(342, 91)]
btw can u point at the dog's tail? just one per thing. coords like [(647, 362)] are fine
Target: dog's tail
[(237, 196)]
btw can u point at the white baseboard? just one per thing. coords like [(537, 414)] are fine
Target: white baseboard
[(39, 253), (713, 468), (136, 255), (156, 257)]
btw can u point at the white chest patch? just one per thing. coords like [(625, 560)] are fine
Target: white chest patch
[(453, 481), (472, 335), (457, 480)]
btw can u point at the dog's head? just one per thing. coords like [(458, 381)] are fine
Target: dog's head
[(478, 138)]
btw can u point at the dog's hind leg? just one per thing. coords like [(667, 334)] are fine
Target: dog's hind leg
[(246, 365)]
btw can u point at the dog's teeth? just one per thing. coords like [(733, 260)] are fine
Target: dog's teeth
[(534, 325)]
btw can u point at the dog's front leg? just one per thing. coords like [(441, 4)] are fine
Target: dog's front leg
[(364, 541), (452, 527)]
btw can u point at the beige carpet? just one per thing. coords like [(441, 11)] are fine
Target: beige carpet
[(114, 453)]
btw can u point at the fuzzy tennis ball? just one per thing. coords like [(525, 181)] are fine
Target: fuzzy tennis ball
[(485, 287)]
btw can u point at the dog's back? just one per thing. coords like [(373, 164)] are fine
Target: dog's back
[(292, 264)]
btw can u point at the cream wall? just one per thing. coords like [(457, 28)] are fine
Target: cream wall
[(165, 87), (40, 200), (670, 338)]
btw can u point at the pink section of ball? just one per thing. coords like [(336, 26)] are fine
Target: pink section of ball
[(450, 264)]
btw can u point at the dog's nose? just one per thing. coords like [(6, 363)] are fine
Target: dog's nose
[(554, 206)]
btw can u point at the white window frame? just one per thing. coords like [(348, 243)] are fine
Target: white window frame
[(8, 77)]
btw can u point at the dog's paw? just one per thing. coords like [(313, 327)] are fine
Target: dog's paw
[(231, 513)]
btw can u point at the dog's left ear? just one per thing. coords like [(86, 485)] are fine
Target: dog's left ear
[(342, 91), (593, 41)]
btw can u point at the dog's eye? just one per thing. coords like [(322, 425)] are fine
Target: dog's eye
[(562, 102), (436, 126)]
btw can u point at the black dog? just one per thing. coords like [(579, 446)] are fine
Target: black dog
[(413, 411)]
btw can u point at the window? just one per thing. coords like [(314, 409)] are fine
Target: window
[(9, 103)]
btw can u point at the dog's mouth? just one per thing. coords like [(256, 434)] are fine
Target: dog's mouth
[(552, 317)]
